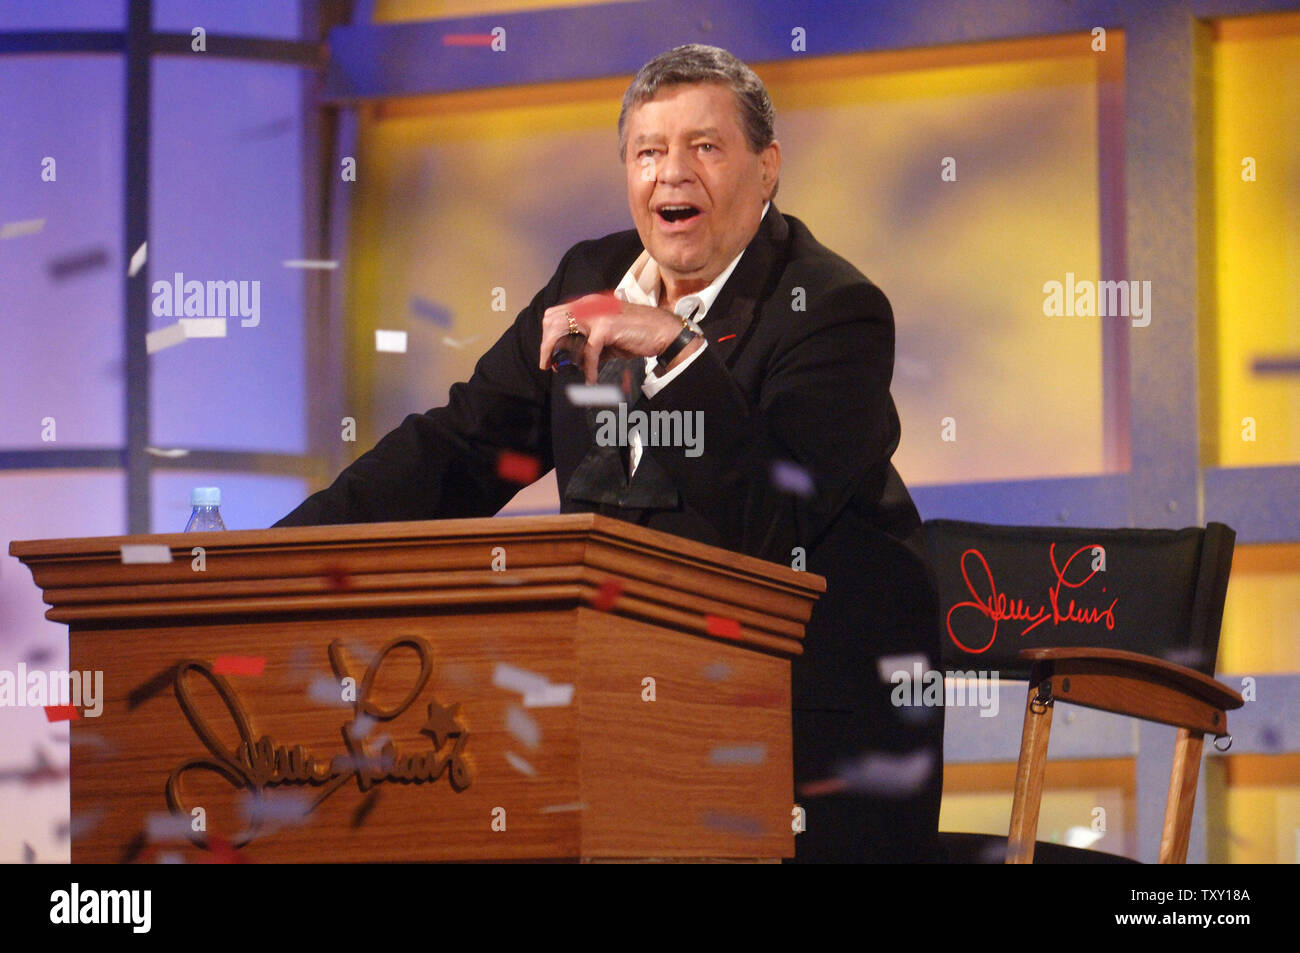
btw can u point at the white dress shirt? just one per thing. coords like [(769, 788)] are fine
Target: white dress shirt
[(641, 285)]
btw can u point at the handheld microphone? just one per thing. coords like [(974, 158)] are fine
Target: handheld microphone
[(567, 351)]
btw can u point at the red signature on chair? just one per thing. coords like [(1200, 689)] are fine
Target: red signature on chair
[(996, 606)]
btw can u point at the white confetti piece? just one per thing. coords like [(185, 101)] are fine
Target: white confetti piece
[(138, 260), (889, 774), (203, 327), (562, 808), (523, 726), (593, 395), (393, 342), (1082, 837), (518, 679), (326, 691), (282, 809), (164, 338), (166, 827), (553, 696), (791, 478), (717, 671), (887, 665), (458, 345), (316, 264), (520, 765), (170, 454), (26, 227), (738, 754), (362, 725), (145, 553), (733, 823)]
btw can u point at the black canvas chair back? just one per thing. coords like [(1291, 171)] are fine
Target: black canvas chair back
[(1122, 620), (1007, 588)]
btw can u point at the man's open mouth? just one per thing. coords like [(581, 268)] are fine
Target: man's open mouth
[(677, 213)]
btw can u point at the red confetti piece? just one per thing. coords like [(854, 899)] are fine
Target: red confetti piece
[(607, 595), (223, 852), (722, 626), (725, 337), (239, 665), (467, 39), (595, 305), (518, 467), (337, 579), (61, 713)]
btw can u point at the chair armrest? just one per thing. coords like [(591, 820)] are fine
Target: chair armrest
[(1134, 684)]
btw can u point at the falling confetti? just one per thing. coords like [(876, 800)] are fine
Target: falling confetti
[(593, 395), (518, 680), (553, 696), (791, 478), (28, 226), (337, 579), (162, 828), (523, 727), (738, 754), (145, 553), (424, 308), (170, 454), (467, 39), (717, 671), (518, 467), (326, 691), (562, 808), (458, 345), (595, 305), (61, 713), (880, 773), (520, 765), (733, 823), (888, 665), (203, 327), (239, 665), (722, 627), (393, 342), (164, 338), (311, 264), (70, 265), (138, 260), (607, 595)]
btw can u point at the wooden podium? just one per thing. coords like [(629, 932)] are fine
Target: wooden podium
[(564, 687)]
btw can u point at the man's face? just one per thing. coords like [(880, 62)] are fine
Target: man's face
[(687, 154)]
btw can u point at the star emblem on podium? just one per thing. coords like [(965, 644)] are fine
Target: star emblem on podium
[(443, 724)]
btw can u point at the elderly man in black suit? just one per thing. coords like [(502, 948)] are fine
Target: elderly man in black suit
[(724, 307)]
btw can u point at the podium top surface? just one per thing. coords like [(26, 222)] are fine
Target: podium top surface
[(490, 564)]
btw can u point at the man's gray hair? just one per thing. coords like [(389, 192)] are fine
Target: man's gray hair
[(697, 63)]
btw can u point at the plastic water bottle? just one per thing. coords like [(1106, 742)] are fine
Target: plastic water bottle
[(205, 516)]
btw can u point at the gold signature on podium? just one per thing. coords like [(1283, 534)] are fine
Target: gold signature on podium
[(258, 762)]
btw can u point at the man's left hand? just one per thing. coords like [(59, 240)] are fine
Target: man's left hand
[(613, 328)]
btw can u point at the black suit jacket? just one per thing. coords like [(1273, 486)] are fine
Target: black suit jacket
[(797, 368)]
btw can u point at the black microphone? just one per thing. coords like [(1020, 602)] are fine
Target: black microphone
[(567, 351)]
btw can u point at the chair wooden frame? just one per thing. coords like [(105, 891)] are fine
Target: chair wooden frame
[(1126, 683)]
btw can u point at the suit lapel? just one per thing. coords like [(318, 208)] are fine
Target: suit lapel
[(727, 325)]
